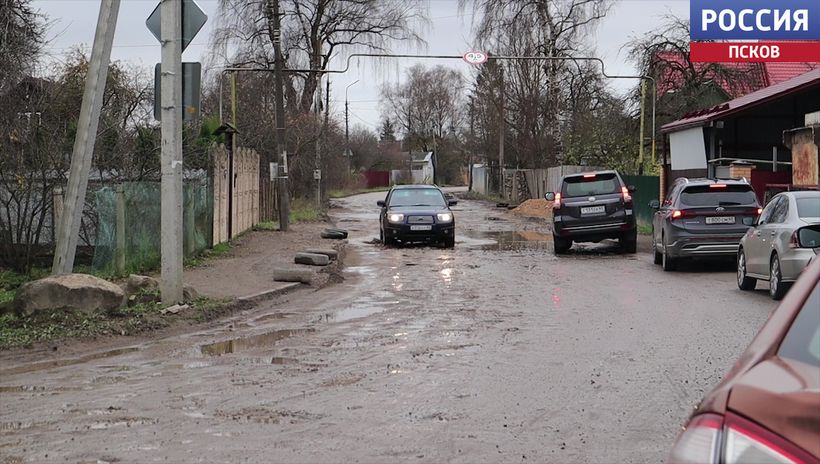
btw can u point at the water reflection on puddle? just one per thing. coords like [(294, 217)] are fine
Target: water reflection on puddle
[(247, 343), (518, 240)]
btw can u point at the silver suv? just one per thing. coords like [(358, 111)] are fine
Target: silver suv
[(701, 218)]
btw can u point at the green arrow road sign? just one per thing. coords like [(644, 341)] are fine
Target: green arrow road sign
[(191, 91), (193, 18)]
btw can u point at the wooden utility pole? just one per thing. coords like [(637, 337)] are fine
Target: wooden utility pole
[(69, 226), (281, 148), (501, 130), (171, 157)]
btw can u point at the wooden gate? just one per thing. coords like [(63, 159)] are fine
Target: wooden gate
[(236, 192)]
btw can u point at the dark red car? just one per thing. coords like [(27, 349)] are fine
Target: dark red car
[(767, 408)]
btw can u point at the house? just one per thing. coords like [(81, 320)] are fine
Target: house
[(423, 167), (748, 129)]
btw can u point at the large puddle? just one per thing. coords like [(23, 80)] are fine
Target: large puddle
[(519, 240), (26, 368), (236, 345)]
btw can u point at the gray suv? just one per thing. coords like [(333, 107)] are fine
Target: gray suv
[(701, 218), (591, 207)]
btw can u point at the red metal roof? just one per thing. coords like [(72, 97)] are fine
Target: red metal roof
[(699, 118), (780, 72)]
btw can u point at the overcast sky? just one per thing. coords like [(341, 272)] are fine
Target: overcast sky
[(73, 23)]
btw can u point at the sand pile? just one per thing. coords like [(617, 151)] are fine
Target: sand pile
[(537, 208)]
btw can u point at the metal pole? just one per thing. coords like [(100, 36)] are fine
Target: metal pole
[(69, 227), (278, 65), (640, 145), (171, 158), (348, 154), (501, 127)]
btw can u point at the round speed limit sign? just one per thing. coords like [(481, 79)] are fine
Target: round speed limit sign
[(475, 57)]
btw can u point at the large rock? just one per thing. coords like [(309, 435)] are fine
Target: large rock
[(329, 252), (312, 259), (140, 284), (189, 294), (304, 276), (72, 292)]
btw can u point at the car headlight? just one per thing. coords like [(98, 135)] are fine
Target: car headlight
[(444, 217), (395, 217)]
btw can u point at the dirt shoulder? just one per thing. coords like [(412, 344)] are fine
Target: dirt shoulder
[(248, 268), (229, 283)]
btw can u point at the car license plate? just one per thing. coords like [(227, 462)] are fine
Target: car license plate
[(421, 228), (720, 220), (593, 210)]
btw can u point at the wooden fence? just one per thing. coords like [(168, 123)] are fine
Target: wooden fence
[(236, 192)]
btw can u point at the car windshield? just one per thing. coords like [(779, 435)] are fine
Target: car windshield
[(589, 185), (730, 195), (808, 207), (417, 197)]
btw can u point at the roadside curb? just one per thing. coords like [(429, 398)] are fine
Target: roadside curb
[(271, 293)]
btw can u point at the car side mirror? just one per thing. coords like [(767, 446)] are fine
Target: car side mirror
[(381, 203), (655, 204), (632, 189), (452, 202), (549, 196)]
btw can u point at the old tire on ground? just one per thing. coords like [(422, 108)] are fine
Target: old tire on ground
[(311, 259), (330, 253), (334, 234), (667, 262), (304, 276), (777, 288), (561, 245), (744, 282)]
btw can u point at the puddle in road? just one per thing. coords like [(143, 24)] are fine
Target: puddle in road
[(26, 368), (519, 240), (236, 345)]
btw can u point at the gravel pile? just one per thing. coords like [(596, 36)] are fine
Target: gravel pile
[(538, 208)]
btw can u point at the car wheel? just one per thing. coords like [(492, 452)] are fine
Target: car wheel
[(561, 245), (629, 242), (450, 242), (777, 288), (667, 262), (381, 235), (744, 282), (657, 258)]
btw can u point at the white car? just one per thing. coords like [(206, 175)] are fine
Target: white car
[(782, 242)]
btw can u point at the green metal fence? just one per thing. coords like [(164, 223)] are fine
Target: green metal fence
[(128, 232), (648, 190)]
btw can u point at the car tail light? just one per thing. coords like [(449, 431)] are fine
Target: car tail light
[(759, 211), (627, 195), (711, 438), (557, 203), (699, 441), (682, 213), (717, 186), (589, 176), (744, 441)]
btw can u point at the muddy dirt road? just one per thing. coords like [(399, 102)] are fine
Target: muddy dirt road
[(496, 351)]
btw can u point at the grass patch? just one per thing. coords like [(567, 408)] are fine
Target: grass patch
[(18, 331), (481, 197), (346, 193), (644, 229), (220, 249), (304, 211), (267, 225)]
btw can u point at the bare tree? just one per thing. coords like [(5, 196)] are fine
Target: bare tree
[(534, 92), (313, 31), (429, 108), (682, 84), (21, 38)]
